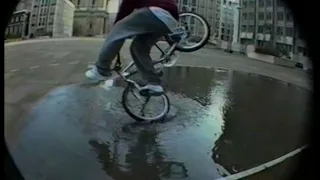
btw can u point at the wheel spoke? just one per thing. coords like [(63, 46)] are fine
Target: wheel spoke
[(137, 97), (144, 105)]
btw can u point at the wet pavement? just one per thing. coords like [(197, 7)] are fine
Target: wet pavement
[(221, 122)]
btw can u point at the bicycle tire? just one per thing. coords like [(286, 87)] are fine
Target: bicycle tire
[(204, 42), (140, 119)]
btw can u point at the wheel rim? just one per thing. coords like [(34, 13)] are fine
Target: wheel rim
[(205, 25), (133, 95)]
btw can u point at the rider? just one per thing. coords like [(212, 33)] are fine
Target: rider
[(146, 21)]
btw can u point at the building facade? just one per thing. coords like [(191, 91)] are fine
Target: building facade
[(228, 22), (19, 25), (90, 17), (51, 18), (24, 5), (268, 23)]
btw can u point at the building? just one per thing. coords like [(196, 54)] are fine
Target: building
[(19, 25), (236, 24), (51, 18), (90, 17), (228, 21), (24, 5), (269, 24)]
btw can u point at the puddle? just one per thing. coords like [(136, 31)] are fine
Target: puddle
[(216, 117)]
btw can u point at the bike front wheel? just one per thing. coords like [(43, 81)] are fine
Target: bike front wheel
[(145, 108), (198, 30)]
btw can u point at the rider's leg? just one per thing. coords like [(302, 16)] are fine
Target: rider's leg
[(141, 21), (140, 51)]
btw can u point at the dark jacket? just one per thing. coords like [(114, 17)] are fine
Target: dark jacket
[(128, 6)]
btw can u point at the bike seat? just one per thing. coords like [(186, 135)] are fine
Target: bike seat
[(176, 37)]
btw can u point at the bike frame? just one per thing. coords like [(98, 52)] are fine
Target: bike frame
[(164, 57)]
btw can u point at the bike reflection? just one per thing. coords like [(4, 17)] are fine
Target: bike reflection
[(143, 160)]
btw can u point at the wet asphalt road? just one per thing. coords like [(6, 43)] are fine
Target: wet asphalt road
[(218, 118)]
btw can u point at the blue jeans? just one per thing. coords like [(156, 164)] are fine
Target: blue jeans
[(146, 29)]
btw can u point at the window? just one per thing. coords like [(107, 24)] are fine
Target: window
[(32, 24), (93, 2), (90, 25), (252, 3), (250, 28), (261, 3), (243, 28), (288, 16), (217, 24), (261, 16), (280, 31), (280, 3), (185, 2), (184, 9), (289, 31), (78, 2), (280, 16), (222, 30), (260, 29), (224, 2), (268, 16), (268, 28), (192, 21), (244, 16), (244, 4), (194, 2), (193, 9), (251, 16), (269, 3)]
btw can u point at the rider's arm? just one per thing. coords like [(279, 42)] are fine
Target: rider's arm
[(126, 7)]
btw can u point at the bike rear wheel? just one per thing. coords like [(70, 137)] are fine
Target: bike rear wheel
[(155, 108), (195, 30)]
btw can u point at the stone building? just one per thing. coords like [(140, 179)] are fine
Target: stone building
[(18, 27), (90, 17), (51, 18)]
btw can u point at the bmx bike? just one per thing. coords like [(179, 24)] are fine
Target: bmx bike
[(178, 41)]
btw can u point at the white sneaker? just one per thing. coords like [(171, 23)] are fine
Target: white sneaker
[(154, 90), (93, 74)]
